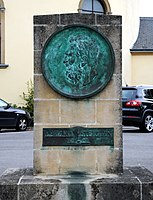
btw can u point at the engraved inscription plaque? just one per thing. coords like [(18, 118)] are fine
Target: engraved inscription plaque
[(77, 61), (78, 136)]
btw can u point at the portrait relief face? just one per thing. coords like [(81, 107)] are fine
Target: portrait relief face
[(80, 60)]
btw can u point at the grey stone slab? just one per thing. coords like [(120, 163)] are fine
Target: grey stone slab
[(123, 187), (118, 62), (41, 34), (9, 181), (39, 180), (135, 183), (8, 192), (12, 176), (146, 180), (147, 191), (144, 174), (77, 18), (114, 34), (116, 191), (46, 19), (37, 62), (38, 191), (108, 20)]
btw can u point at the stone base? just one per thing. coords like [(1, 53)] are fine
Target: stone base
[(136, 183)]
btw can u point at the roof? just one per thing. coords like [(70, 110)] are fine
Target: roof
[(144, 42)]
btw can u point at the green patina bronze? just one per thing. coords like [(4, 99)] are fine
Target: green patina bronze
[(78, 136), (78, 61)]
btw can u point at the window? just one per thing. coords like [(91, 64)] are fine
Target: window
[(92, 6), (129, 94), (148, 93), (3, 104)]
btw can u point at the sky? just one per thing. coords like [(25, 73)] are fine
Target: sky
[(146, 8)]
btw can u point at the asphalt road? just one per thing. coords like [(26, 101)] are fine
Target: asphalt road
[(16, 149), (137, 148)]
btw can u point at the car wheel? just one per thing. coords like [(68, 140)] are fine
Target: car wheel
[(147, 125), (22, 124)]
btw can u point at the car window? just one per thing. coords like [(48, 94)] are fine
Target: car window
[(148, 93), (151, 92), (3, 103), (129, 94)]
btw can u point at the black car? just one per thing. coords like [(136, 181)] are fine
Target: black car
[(12, 117), (137, 107)]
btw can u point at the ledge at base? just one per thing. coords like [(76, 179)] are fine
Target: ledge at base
[(136, 183)]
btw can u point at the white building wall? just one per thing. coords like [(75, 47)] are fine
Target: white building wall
[(19, 39), (130, 27)]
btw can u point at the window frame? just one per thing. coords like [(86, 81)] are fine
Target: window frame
[(104, 3)]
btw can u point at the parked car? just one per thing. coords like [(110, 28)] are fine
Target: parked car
[(137, 107), (12, 117)]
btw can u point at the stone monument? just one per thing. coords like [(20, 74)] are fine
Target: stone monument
[(78, 126)]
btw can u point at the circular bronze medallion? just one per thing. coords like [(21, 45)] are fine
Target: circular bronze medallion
[(78, 61)]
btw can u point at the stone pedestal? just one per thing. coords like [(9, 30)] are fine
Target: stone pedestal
[(135, 183), (53, 110)]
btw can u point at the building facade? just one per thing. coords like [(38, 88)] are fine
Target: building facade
[(16, 17), (142, 54)]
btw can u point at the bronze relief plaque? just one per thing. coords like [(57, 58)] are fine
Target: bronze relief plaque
[(78, 136), (77, 61)]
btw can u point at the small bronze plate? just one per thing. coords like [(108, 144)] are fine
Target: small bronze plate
[(78, 61), (78, 136)]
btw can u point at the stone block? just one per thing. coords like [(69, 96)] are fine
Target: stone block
[(112, 90), (117, 191), (118, 140), (108, 112), (77, 18), (37, 62), (9, 183), (50, 161), (47, 111), (8, 192), (37, 161), (46, 19), (67, 160), (37, 191), (109, 160), (78, 160), (145, 177), (111, 20), (44, 91), (134, 184), (113, 34), (118, 63), (41, 35), (38, 137), (80, 112)]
